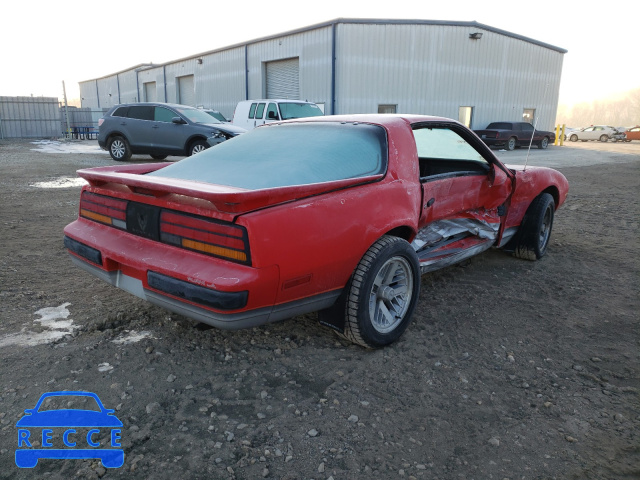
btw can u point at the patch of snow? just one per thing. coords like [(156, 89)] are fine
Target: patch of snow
[(61, 182), (131, 336), (54, 146), (105, 367), (54, 319)]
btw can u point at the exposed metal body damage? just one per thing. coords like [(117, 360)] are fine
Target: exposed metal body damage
[(446, 242)]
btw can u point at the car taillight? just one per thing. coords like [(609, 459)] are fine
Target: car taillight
[(213, 238), (100, 121), (107, 210)]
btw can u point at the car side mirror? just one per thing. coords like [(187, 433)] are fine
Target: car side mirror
[(178, 120), (273, 116)]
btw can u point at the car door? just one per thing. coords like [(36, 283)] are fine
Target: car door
[(464, 197), (526, 131), (137, 128), (272, 113), (258, 119), (588, 134), (168, 137)]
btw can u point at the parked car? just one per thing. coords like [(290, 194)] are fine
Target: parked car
[(632, 133), (159, 130), (514, 134), (594, 132), (337, 214), (250, 114)]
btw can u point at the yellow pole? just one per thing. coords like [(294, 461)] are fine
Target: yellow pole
[(557, 134), (562, 135)]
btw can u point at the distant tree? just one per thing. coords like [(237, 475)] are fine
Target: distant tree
[(622, 111)]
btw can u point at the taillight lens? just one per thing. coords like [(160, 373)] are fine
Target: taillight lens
[(107, 210), (213, 238), (100, 121)]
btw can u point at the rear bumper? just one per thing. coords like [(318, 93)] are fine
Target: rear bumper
[(219, 293)]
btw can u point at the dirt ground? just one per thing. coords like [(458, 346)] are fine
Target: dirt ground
[(510, 369)]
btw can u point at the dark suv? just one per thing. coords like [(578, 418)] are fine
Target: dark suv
[(160, 129)]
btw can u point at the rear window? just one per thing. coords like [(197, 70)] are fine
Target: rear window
[(500, 126), (285, 155)]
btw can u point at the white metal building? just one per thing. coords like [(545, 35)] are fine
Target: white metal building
[(462, 70)]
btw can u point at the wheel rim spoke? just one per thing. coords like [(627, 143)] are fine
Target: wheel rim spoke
[(390, 294)]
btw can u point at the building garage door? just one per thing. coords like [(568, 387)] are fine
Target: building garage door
[(150, 92), (283, 79), (186, 91)]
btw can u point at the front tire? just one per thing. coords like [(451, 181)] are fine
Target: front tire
[(535, 230), (119, 149), (511, 143), (573, 138), (197, 147), (383, 293)]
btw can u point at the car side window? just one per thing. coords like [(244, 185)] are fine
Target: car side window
[(260, 110), (527, 128), (141, 112), (163, 114), (443, 151), (590, 129), (120, 112), (252, 110), (272, 112)]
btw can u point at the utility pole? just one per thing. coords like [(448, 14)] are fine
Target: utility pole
[(66, 108)]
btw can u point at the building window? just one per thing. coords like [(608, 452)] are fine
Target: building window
[(465, 116), (528, 115), (387, 108)]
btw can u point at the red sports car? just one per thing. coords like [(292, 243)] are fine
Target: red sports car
[(336, 214)]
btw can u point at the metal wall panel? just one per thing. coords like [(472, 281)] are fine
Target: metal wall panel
[(435, 69), (312, 47), (220, 80)]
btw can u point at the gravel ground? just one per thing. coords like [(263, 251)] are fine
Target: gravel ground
[(510, 370)]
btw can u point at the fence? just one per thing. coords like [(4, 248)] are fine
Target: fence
[(43, 117), (29, 117)]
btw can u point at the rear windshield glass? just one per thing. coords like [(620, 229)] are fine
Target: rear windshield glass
[(285, 155)]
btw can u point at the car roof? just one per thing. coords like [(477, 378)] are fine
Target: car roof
[(376, 118), (281, 100), (156, 104)]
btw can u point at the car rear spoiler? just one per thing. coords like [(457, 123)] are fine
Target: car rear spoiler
[(225, 199)]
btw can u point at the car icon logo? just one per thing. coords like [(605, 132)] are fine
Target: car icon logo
[(53, 430)]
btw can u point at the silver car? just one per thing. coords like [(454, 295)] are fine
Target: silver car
[(595, 132)]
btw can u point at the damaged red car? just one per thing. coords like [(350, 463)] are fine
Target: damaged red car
[(336, 214)]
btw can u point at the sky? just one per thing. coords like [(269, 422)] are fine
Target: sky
[(47, 42)]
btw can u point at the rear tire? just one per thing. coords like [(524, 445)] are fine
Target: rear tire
[(511, 143), (382, 293), (544, 143), (119, 149), (535, 231), (604, 138)]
